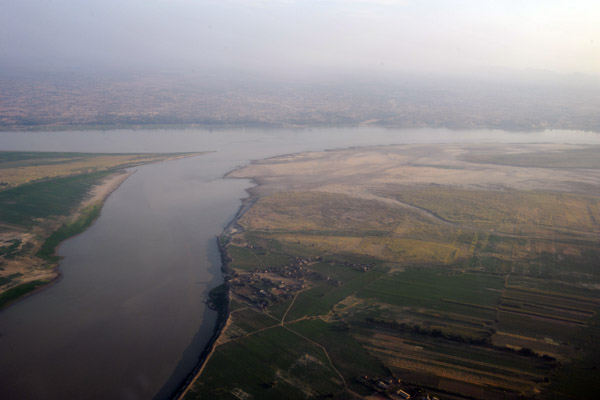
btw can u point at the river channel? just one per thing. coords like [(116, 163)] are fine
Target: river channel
[(127, 320)]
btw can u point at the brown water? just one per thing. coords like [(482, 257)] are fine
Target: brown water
[(127, 319)]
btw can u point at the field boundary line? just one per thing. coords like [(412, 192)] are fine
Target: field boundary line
[(324, 350)]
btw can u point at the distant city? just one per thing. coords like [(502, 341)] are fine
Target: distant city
[(530, 101)]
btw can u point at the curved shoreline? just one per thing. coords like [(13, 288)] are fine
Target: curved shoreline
[(97, 195), (102, 190), (222, 322), (224, 313)]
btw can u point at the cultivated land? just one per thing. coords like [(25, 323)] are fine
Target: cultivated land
[(449, 271), (46, 198)]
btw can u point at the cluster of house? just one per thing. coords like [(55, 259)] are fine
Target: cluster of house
[(359, 267), (392, 388), (262, 287), (262, 291)]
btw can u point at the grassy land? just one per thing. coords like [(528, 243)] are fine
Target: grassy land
[(41, 184), (276, 363), (576, 158), (509, 211), (580, 379), (18, 168), (25, 204), (87, 216), (320, 299), (17, 292), (346, 353)]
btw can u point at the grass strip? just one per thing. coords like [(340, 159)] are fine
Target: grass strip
[(87, 217), (13, 294)]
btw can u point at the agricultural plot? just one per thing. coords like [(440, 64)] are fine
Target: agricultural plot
[(251, 258), (251, 321), (276, 363), (320, 299), (453, 325), (511, 351), (440, 365), (347, 355), (548, 320), (468, 290)]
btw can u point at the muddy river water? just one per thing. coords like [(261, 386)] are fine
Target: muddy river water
[(127, 320)]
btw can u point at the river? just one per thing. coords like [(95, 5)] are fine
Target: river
[(127, 319)]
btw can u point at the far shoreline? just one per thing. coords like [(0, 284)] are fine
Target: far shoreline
[(277, 126)]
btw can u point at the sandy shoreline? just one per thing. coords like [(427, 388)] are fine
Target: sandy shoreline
[(31, 268), (34, 269), (105, 188)]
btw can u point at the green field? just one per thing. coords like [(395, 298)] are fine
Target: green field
[(346, 353), (24, 204), (87, 217), (429, 288), (276, 363), (249, 259), (249, 320), (19, 291), (320, 300)]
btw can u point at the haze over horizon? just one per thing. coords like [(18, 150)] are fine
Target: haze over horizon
[(294, 199), (286, 63), (305, 38)]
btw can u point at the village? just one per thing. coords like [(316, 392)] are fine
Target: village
[(393, 388), (263, 287)]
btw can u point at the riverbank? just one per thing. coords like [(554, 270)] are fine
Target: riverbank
[(255, 192), (70, 201), (39, 268), (219, 300), (223, 320)]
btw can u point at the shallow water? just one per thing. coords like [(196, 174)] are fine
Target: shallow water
[(127, 319)]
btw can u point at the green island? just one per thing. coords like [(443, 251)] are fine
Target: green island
[(47, 197), (414, 271)]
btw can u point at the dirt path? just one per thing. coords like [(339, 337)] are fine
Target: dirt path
[(291, 304), (324, 351)]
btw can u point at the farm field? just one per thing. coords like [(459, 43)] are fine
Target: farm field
[(462, 290), (46, 198)]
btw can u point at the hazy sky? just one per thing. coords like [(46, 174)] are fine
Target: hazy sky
[(289, 36)]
